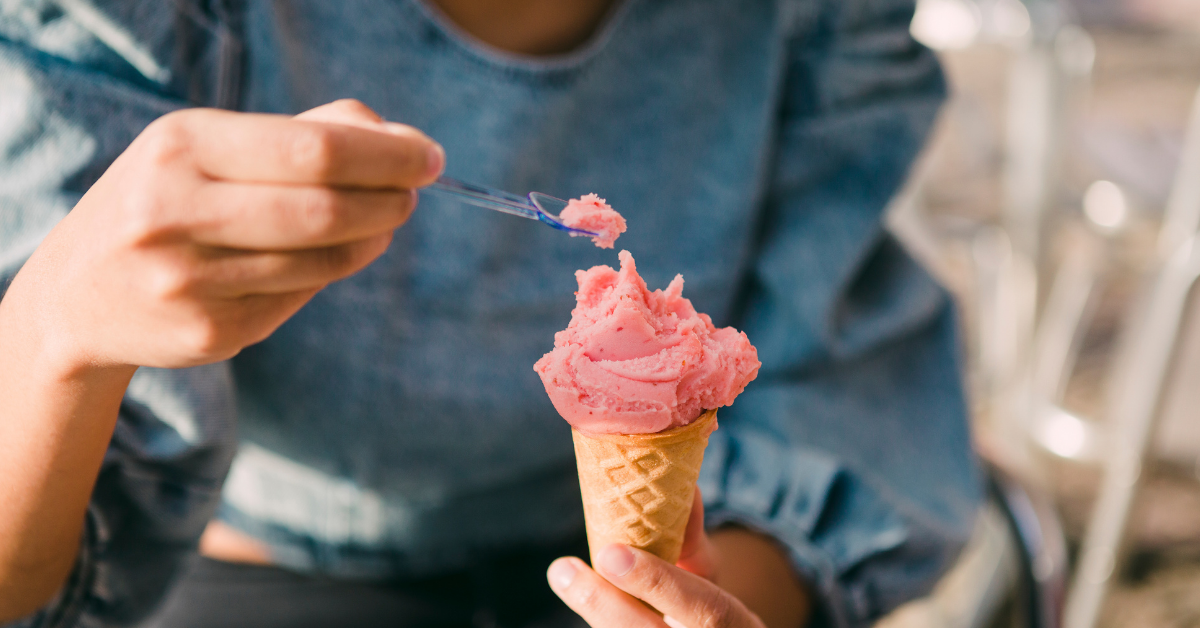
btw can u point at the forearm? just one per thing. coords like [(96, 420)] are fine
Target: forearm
[(756, 571), (57, 415)]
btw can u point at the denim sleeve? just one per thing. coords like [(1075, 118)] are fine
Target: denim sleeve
[(76, 86), (852, 447)]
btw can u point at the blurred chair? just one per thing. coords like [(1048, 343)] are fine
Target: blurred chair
[(1139, 380), (1026, 390)]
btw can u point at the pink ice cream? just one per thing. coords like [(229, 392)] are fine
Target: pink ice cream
[(591, 213), (634, 361)]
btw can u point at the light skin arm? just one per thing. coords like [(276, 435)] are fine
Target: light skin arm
[(203, 237), (56, 426)]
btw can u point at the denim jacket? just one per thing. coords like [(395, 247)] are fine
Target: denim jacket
[(394, 426)]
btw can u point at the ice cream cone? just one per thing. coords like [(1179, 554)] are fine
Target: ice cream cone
[(638, 488)]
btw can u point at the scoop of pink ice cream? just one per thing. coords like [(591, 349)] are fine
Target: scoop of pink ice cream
[(591, 213), (634, 361)]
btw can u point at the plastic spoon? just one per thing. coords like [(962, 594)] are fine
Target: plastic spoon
[(535, 205)]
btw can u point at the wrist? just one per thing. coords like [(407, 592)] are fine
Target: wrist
[(756, 569), (38, 342)]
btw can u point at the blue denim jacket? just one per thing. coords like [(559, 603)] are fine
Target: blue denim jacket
[(394, 426)]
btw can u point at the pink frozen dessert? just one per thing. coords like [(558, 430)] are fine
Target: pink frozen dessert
[(591, 213), (634, 361)]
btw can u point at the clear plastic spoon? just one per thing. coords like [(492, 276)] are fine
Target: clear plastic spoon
[(535, 205)]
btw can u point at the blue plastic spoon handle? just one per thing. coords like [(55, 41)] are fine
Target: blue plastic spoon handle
[(531, 206), (488, 198)]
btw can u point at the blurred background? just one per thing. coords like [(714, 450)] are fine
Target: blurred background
[(1059, 199)]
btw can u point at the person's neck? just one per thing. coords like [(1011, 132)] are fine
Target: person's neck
[(532, 27)]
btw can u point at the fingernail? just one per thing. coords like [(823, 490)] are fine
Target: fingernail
[(672, 622), (561, 574), (616, 559), (435, 159)]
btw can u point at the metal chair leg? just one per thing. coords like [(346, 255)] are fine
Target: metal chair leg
[(1141, 374)]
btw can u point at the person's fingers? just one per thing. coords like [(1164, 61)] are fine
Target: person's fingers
[(275, 217), (596, 600), (263, 148), (697, 555), (230, 273), (686, 597)]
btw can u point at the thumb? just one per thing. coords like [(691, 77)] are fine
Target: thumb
[(697, 555)]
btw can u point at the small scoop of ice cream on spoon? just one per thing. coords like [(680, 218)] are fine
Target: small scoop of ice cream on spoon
[(591, 213)]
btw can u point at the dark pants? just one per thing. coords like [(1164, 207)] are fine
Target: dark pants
[(506, 593)]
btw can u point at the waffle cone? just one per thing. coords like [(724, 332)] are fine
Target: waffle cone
[(638, 488)]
